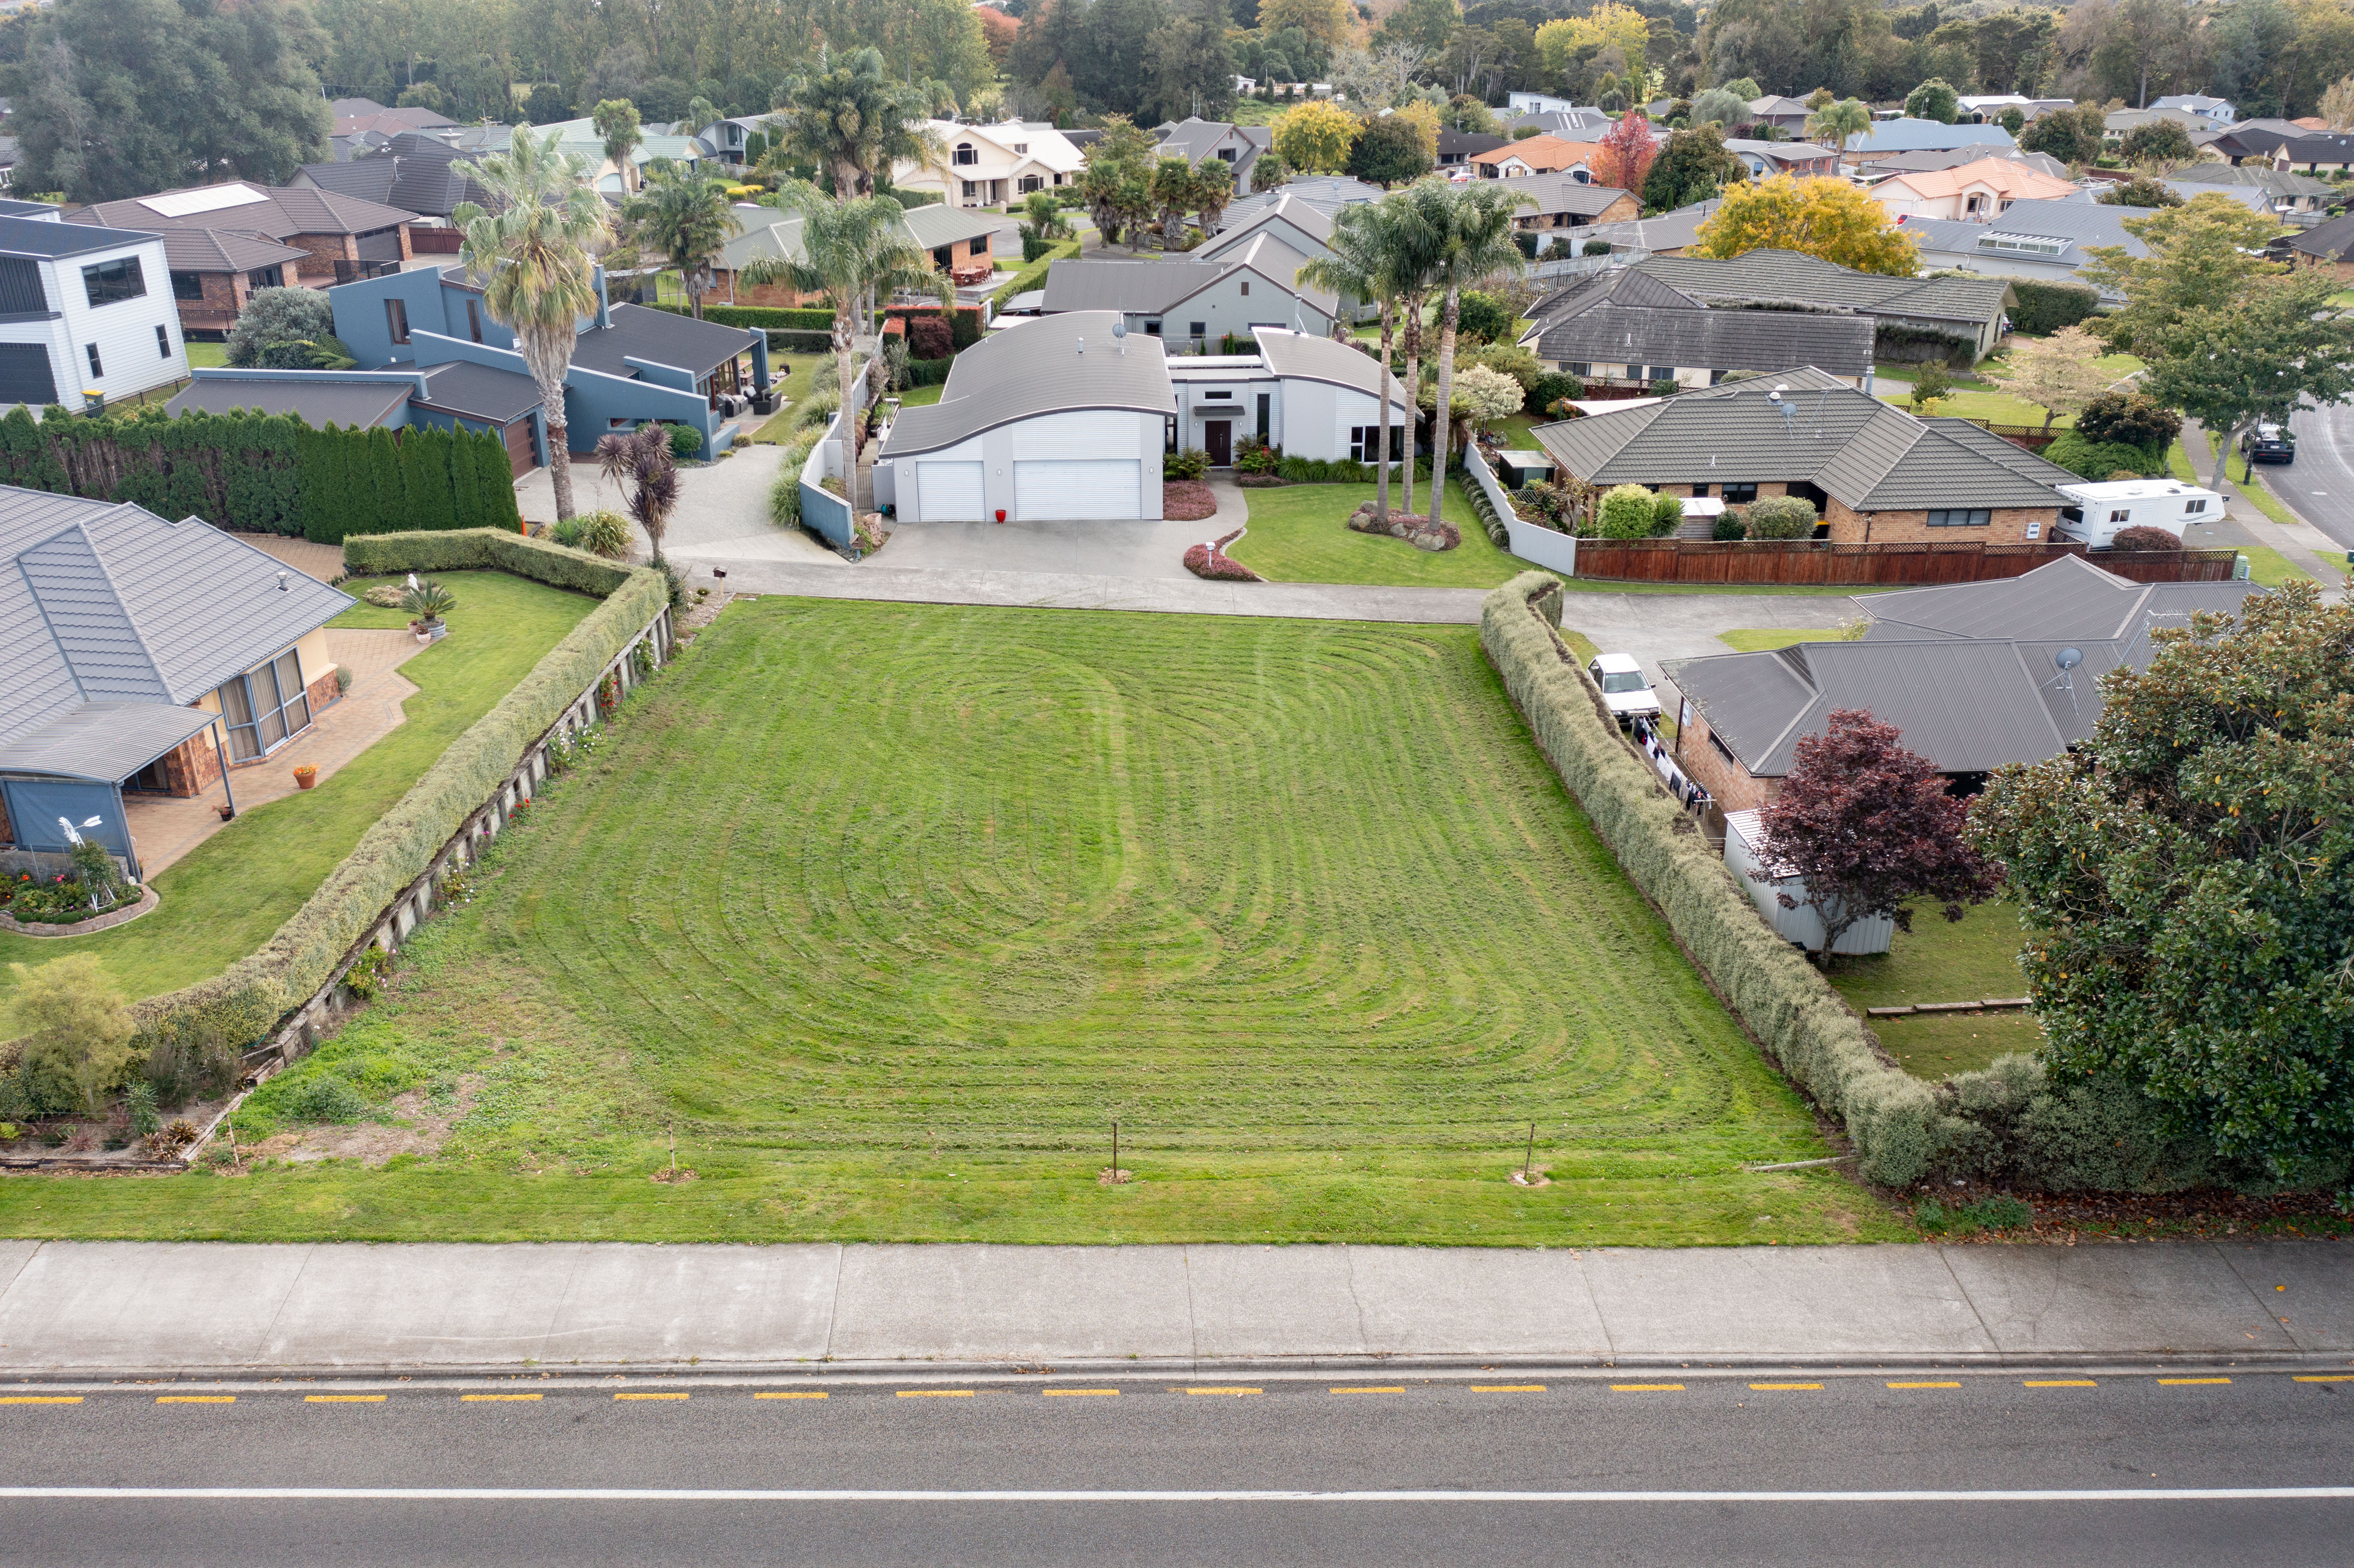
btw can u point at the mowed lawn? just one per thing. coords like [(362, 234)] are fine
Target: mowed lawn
[(1299, 533), (227, 897), (1938, 960), (888, 912)]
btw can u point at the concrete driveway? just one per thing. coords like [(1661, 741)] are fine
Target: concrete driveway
[(721, 516), (1655, 627), (1141, 550)]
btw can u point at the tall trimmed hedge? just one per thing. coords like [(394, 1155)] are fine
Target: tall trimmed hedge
[(2045, 308), (266, 474), (806, 318), (1033, 276), (1771, 988), (211, 1020)]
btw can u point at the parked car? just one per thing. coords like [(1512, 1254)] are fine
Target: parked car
[(2268, 443), (1624, 687)]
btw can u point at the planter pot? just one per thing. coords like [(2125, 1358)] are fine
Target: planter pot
[(305, 777), (228, 813), (430, 630)]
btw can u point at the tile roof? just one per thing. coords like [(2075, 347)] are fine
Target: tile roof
[(1152, 288), (481, 391), (275, 213), (415, 173), (1543, 153), (224, 251), (2002, 175), (2328, 241), (1667, 231), (1788, 276), (1314, 222), (1038, 367), (1862, 453), (1949, 157), (1629, 317), (1562, 193), (1327, 194), (107, 603)]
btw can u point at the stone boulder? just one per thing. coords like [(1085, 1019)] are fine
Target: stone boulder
[(1422, 533)]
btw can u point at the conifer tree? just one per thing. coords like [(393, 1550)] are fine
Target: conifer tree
[(384, 470), (465, 501)]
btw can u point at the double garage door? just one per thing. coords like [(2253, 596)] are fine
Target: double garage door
[(1060, 489)]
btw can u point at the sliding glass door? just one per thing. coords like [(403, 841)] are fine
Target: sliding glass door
[(265, 705)]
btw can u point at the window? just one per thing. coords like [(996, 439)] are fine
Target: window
[(2191, 508), (1699, 491), (1200, 328), (1581, 367), (1723, 750), (1028, 182), (1663, 373), (1619, 682), (944, 257), (111, 283), (1365, 442), (1218, 395), (187, 286), (97, 368), (1961, 517), (164, 340), (2121, 514), (265, 705), (1265, 401), (271, 277), (1022, 146), (967, 190), (1740, 494), (474, 319), (966, 154), (396, 317), (1153, 328), (979, 248), (1634, 373), (1246, 288), (21, 292)]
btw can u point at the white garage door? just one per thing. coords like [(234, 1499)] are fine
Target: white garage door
[(1077, 488), (948, 492)]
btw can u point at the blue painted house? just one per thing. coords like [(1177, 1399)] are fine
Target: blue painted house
[(428, 352)]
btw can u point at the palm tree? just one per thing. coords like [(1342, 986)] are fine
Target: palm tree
[(1360, 263), (616, 119), (642, 460), (1174, 187), (535, 258), (689, 220), (1213, 189), (850, 251), (1832, 124), (850, 119), (1471, 226)]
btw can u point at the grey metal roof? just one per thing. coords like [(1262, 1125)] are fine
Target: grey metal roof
[(39, 211), (1913, 136), (1313, 222), (1038, 367), (1929, 160), (660, 338), (935, 224), (1778, 277), (1562, 193), (2083, 224), (1465, 143), (104, 602), (2275, 181), (103, 742), (481, 391), (1669, 231), (1134, 288), (1306, 358), (39, 238), (1867, 455), (319, 399), (2329, 241), (1327, 194), (2069, 599)]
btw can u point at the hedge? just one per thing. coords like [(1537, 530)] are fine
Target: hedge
[(2096, 460), (2047, 307), (1894, 344), (1771, 988), (804, 318), (210, 1021), (1033, 276)]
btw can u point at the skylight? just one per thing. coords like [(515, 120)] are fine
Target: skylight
[(2027, 244)]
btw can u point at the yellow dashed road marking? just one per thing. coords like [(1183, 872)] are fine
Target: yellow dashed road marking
[(196, 1399), (936, 1393), (1226, 1390), (2058, 1382), (495, 1398), (1924, 1386), (795, 1394), (2329, 1377), (1785, 1387), (343, 1399), (1078, 1393), (40, 1399), (1647, 1388), (1368, 1391), (653, 1395), (2189, 1382), (1508, 1388)]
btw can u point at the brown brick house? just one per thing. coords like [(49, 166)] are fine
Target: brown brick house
[(1875, 473), (293, 237)]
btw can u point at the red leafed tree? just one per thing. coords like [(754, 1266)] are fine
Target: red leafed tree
[(1626, 154), (1869, 825), (997, 32)]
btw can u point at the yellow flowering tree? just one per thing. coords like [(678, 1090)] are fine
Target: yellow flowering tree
[(1424, 117), (1315, 138), (1825, 217), (1559, 41)]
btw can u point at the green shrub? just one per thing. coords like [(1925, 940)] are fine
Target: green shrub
[(1032, 275), (1780, 517), (1187, 462), (1552, 387), (785, 490), (1728, 527), (756, 317), (1667, 515), (685, 440), (2045, 308), (812, 411), (2097, 460), (1626, 512), (1770, 986), (325, 1097)]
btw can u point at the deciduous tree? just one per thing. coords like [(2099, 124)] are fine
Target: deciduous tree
[(2072, 135), (1933, 100), (2186, 878), (1626, 153), (2056, 374), (1316, 137), (1825, 217), (2199, 255), (2269, 351), (1388, 152), (1870, 827), (78, 1024), (1329, 22), (1695, 165)]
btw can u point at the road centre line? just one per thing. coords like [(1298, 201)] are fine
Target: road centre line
[(2189, 1382), (41, 1399), (936, 1393), (631, 1494), (1785, 1387), (1226, 1390), (651, 1394), (1647, 1388), (1508, 1388), (1924, 1386), (1393, 1389), (796, 1393), (1080, 1393), (2326, 1377), (196, 1399), (495, 1398), (343, 1399), (2058, 1382)]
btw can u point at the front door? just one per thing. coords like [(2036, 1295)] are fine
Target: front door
[(1217, 440)]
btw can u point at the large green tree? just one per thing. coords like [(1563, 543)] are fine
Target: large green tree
[(687, 219), (124, 98), (2198, 255), (1469, 232), (2186, 883), (2275, 347), (1695, 165), (847, 116)]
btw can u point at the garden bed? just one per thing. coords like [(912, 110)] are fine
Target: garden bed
[(1187, 501)]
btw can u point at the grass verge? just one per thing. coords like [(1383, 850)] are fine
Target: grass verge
[(1299, 533), (232, 891), (1298, 902)]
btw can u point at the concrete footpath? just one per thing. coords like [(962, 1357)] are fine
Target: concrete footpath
[(114, 1310)]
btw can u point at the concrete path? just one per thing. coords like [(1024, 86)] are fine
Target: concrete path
[(1655, 627), (1146, 552), (122, 1309)]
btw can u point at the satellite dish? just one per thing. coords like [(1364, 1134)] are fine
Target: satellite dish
[(2068, 658), (1120, 328)]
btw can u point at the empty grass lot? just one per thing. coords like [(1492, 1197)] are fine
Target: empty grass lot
[(228, 895), (1299, 533), (1937, 961), (891, 909)]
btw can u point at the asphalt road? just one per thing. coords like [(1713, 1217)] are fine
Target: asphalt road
[(2321, 484), (1414, 1471)]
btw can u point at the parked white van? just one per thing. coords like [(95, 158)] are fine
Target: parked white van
[(2099, 510)]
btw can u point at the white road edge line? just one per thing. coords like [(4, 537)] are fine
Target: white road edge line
[(637, 1494)]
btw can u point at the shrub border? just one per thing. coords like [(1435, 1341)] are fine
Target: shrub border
[(1785, 1005), (377, 893)]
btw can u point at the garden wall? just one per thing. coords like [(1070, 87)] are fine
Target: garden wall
[(387, 883)]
